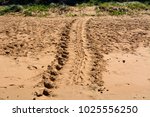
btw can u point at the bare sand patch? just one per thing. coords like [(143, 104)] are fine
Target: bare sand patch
[(128, 75)]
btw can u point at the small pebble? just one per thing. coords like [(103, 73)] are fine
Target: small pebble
[(123, 61)]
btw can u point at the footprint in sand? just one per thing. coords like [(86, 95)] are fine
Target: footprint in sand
[(32, 67)]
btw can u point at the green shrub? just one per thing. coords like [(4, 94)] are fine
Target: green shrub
[(116, 8), (94, 2), (113, 8), (11, 8), (83, 5), (36, 8), (136, 5), (117, 12), (27, 13), (33, 10)]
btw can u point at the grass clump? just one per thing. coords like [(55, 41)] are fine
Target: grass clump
[(61, 9), (137, 6), (83, 5), (11, 8), (116, 8), (30, 10), (117, 12), (113, 8), (42, 10), (38, 8)]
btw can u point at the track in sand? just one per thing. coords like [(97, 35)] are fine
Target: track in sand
[(75, 70)]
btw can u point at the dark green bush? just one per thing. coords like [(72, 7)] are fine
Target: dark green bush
[(11, 8), (69, 2)]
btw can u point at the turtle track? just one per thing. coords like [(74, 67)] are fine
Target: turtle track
[(97, 62), (81, 73), (50, 75), (76, 70), (77, 63)]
